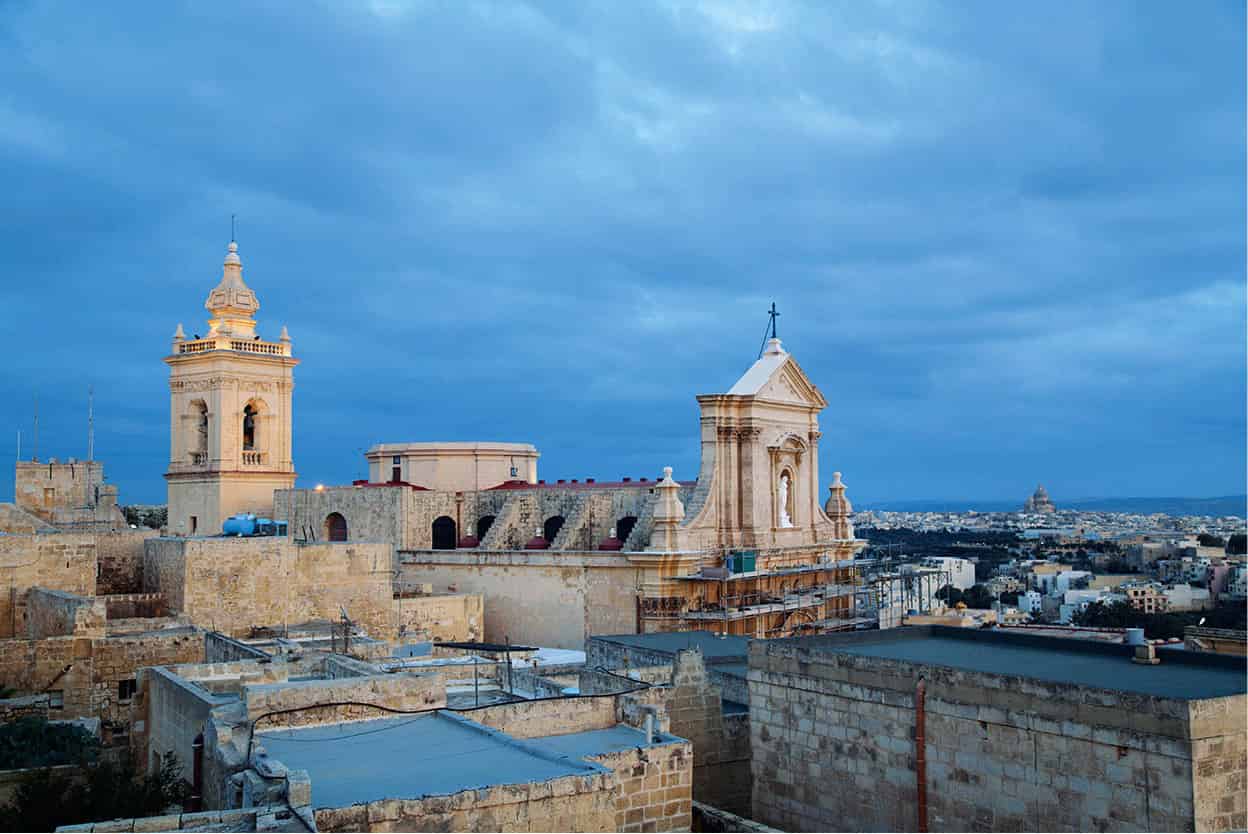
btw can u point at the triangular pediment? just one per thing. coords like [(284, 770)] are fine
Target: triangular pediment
[(788, 383)]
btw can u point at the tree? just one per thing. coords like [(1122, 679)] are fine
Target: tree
[(1237, 545), (48, 798), (977, 596), (153, 517), (1009, 598), (1210, 540), (31, 741)]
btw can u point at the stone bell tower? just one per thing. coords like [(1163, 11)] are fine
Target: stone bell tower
[(229, 413)]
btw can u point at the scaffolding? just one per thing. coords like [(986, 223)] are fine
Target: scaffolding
[(790, 591), (889, 596)]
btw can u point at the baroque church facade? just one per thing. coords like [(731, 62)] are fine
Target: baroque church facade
[(747, 547)]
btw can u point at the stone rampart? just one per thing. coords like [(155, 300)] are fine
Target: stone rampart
[(833, 749)]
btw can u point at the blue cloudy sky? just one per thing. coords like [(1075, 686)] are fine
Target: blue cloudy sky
[(1007, 239)]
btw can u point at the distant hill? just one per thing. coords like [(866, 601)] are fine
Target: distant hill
[(1222, 506)]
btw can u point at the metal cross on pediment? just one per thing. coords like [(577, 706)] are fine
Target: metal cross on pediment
[(770, 332)]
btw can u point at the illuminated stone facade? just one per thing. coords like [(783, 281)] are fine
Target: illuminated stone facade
[(229, 413)]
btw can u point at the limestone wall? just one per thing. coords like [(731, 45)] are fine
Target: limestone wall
[(172, 713), (221, 649), (533, 719), (233, 584), (721, 744), (52, 613), (405, 516), (373, 514), (568, 803), (445, 617), (264, 818), (1220, 761), (43, 488), (536, 598), (22, 706), (63, 562), (85, 672), (400, 692), (833, 750), (120, 556), (655, 785)]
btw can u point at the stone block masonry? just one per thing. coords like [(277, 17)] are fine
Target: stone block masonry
[(833, 748), (54, 561), (230, 585)]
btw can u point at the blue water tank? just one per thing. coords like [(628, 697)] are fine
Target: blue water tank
[(243, 524)]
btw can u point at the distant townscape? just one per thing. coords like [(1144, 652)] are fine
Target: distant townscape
[(446, 641)]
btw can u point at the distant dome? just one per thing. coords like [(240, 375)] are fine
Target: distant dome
[(1039, 502)]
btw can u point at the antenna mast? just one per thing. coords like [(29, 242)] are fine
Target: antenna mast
[(90, 440), (90, 423), (35, 454)]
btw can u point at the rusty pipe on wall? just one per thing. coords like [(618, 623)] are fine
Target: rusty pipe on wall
[(920, 753)]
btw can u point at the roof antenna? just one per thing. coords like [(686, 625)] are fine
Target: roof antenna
[(770, 332)]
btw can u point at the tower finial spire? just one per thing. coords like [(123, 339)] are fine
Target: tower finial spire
[(232, 236)]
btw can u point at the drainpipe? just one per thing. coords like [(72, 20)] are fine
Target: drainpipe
[(196, 800), (920, 752)]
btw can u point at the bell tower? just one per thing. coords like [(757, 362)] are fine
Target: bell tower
[(229, 413)]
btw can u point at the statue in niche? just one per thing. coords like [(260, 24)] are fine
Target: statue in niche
[(785, 520)]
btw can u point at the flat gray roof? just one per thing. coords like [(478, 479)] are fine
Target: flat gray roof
[(433, 754), (1181, 675), (713, 646), (409, 758)]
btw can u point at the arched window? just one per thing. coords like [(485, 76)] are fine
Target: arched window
[(249, 427), (624, 527), (483, 526), (335, 528), (552, 527), (444, 533)]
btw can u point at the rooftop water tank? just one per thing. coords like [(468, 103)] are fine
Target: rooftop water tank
[(243, 524)]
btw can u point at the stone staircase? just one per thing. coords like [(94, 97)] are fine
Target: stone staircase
[(640, 537), (507, 532), (572, 535)]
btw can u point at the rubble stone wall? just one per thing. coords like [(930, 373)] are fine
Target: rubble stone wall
[(84, 673)]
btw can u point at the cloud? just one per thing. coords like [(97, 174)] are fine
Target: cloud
[(1007, 247)]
